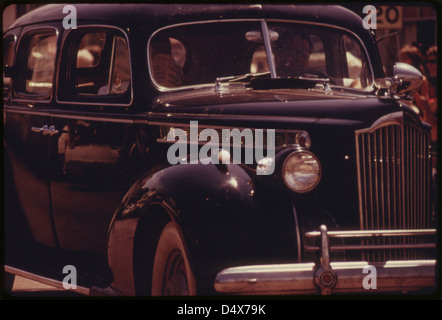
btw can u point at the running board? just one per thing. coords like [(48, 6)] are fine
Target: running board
[(93, 291)]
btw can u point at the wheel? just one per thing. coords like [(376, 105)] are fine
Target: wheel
[(172, 274)]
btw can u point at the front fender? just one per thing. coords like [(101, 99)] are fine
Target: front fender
[(223, 221)]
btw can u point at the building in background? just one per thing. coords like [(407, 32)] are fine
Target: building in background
[(415, 24), (420, 26), (13, 11)]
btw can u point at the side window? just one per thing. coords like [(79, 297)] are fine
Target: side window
[(36, 63), (97, 66), (8, 56)]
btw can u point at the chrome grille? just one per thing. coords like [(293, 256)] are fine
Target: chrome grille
[(394, 182)]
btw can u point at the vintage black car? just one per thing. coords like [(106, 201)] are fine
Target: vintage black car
[(213, 149)]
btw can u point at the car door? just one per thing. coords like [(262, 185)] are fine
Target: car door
[(27, 125), (94, 139)]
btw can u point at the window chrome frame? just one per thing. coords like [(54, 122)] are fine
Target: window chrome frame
[(73, 99), (13, 35), (18, 96)]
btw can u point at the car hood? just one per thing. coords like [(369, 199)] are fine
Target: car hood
[(277, 106)]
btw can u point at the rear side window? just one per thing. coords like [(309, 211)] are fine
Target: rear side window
[(97, 66), (36, 63)]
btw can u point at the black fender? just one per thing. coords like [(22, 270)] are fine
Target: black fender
[(221, 216)]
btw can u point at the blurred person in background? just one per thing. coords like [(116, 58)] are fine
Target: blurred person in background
[(431, 71), (431, 117)]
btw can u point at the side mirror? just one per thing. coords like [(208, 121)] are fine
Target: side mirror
[(406, 80)]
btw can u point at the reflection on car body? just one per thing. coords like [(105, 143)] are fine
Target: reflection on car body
[(91, 113)]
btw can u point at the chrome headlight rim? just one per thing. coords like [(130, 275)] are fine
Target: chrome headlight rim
[(311, 186), (302, 139)]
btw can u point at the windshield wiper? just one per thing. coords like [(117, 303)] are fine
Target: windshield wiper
[(263, 81), (243, 79), (288, 83)]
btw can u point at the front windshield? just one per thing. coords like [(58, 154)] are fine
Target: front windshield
[(194, 54)]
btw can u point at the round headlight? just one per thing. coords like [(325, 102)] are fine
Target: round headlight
[(301, 171)]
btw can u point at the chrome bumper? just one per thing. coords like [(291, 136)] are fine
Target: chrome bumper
[(327, 277)]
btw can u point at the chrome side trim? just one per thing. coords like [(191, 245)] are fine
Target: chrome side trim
[(168, 117), (53, 114), (283, 137)]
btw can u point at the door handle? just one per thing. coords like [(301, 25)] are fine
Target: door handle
[(51, 131), (45, 130), (42, 129)]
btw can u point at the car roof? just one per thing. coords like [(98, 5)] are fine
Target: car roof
[(158, 15), (147, 18)]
